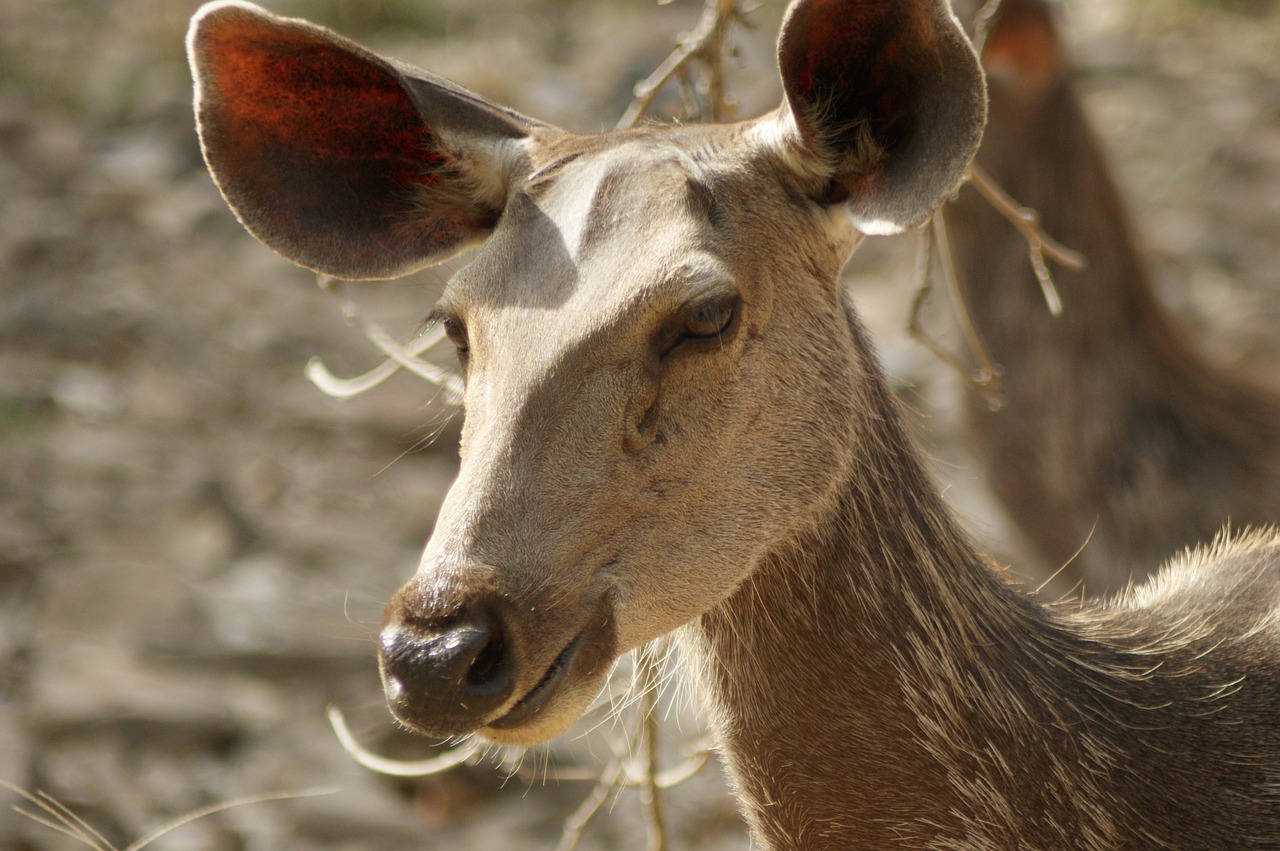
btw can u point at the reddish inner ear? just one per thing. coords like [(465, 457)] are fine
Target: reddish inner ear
[(857, 65), (320, 149), (291, 92)]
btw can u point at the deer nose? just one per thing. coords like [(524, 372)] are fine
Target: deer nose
[(445, 678)]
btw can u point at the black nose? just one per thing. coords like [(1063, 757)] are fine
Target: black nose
[(446, 677)]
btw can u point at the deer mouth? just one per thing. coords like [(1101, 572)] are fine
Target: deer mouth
[(566, 688), (527, 708)]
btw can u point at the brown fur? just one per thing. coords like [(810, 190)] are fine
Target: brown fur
[(872, 682), (1117, 429)]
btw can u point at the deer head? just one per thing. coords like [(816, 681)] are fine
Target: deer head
[(660, 374)]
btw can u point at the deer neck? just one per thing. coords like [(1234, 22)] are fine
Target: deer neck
[(819, 668)]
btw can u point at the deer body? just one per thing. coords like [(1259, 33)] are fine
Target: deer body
[(1116, 429), (676, 423)]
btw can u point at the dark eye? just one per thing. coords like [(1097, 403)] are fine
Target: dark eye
[(457, 334), (712, 319), (702, 325)]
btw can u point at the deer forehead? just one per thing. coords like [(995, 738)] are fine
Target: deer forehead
[(591, 246)]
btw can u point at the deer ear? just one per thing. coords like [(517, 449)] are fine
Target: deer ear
[(340, 160), (885, 104), (1022, 48)]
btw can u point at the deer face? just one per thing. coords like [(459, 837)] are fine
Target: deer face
[(636, 431), (656, 357)]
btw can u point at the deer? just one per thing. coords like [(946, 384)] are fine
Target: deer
[(674, 422), (1119, 440)]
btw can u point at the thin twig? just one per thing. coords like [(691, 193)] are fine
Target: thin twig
[(225, 805), (72, 820), (60, 818), (648, 675), (987, 375), (395, 767), (345, 388), (1039, 243), (442, 378), (713, 57), (705, 44), (985, 380), (448, 760), (398, 357), (57, 825), (577, 822), (699, 754)]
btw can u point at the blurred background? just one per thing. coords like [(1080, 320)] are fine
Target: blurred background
[(196, 544)]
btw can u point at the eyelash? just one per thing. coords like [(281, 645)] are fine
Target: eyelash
[(457, 334), (723, 316), (453, 328)]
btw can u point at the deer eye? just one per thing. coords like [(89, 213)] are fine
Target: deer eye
[(702, 325), (457, 334), (711, 319)]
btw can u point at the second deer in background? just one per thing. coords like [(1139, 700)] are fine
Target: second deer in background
[(1116, 429)]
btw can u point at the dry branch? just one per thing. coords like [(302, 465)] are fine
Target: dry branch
[(1039, 243), (705, 45), (986, 378), (398, 357), (647, 681), (394, 767), (576, 824), (56, 816)]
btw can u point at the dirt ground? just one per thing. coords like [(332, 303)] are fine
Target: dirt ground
[(196, 545)]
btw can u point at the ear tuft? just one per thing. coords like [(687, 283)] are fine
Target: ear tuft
[(888, 101)]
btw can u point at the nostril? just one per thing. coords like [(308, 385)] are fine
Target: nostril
[(490, 669), (464, 666)]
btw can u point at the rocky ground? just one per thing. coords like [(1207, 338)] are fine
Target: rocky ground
[(195, 544)]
